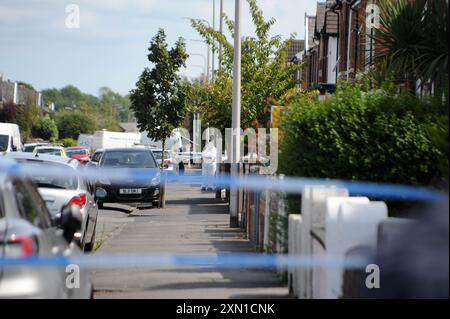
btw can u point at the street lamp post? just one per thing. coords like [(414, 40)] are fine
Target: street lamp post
[(213, 50), (221, 32), (205, 65), (236, 115), (208, 46), (207, 59)]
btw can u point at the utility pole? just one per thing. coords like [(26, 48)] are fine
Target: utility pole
[(236, 116), (221, 32)]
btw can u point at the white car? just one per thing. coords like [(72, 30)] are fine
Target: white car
[(29, 148), (50, 150), (58, 191)]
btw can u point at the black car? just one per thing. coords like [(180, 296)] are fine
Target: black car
[(141, 187)]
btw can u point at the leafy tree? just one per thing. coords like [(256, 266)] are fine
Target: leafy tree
[(159, 99), (26, 116), (8, 113), (266, 73), (414, 40), (45, 128), (72, 124), (70, 96), (120, 104)]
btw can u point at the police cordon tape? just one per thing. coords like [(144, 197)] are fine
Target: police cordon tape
[(219, 261), (286, 184), (230, 260)]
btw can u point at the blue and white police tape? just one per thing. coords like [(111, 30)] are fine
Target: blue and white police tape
[(219, 261), (286, 184)]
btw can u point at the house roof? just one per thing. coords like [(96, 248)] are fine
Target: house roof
[(320, 17), (311, 27), (326, 20)]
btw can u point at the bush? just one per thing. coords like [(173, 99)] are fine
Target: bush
[(72, 124), (45, 128), (375, 136), (68, 142)]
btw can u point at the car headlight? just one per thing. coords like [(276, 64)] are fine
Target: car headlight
[(155, 181)]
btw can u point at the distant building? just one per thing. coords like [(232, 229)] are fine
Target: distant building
[(339, 44), (21, 94), (297, 47)]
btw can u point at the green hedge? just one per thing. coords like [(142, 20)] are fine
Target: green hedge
[(368, 136)]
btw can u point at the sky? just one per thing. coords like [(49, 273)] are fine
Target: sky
[(109, 48)]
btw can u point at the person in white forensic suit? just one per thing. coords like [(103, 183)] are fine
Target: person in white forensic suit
[(209, 167)]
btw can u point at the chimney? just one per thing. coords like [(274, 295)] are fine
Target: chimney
[(39, 99), (16, 93)]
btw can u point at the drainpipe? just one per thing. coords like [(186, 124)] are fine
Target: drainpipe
[(349, 35), (351, 4), (333, 10)]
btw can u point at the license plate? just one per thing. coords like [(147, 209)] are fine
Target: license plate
[(125, 191)]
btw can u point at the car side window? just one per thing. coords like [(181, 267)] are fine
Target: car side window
[(97, 156), (30, 204)]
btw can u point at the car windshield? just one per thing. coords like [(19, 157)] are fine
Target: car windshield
[(4, 142), (76, 152), (29, 148), (128, 159), (47, 180), (49, 151)]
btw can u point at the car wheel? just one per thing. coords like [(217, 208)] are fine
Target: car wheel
[(100, 205), (155, 203)]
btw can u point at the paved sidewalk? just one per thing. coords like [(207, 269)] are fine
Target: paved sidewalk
[(193, 222)]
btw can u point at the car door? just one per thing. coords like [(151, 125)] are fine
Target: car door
[(51, 243), (60, 247), (3, 227), (91, 209)]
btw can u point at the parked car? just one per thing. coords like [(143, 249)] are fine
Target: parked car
[(61, 190), (50, 150), (81, 154), (169, 163), (29, 148), (10, 140), (133, 190), (27, 229)]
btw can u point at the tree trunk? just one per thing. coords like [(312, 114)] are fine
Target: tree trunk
[(162, 190)]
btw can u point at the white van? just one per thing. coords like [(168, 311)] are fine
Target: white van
[(10, 140), (105, 139)]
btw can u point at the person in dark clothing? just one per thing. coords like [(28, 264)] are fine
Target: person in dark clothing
[(181, 165)]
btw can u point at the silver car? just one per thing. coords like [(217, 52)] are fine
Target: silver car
[(28, 230), (62, 190)]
